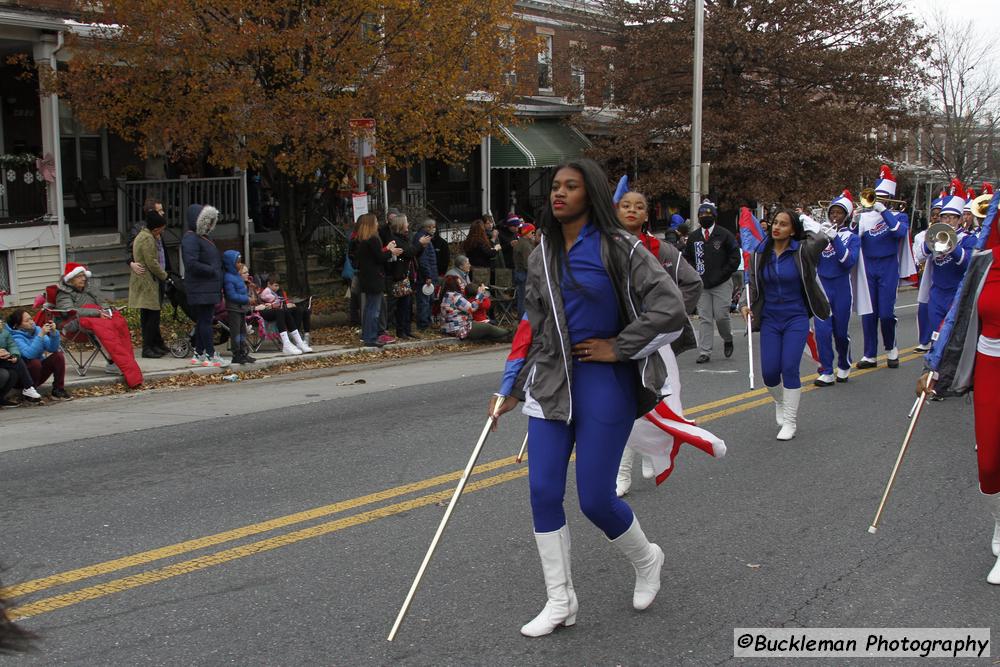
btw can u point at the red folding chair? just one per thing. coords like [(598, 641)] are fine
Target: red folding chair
[(77, 343)]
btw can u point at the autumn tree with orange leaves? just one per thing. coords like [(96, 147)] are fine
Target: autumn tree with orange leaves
[(271, 85)]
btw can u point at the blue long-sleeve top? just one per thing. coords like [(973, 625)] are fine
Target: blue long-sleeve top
[(783, 296), (882, 240), (232, 282), (589, 298), (949, 269), (33, 344), (840, 256)]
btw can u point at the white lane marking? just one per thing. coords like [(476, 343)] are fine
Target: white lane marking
[(707, 371)]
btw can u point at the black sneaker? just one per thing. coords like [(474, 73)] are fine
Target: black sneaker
[(149, 353), (61, 394), (864, 363), (892, 363), (702, 359), (727, 349)]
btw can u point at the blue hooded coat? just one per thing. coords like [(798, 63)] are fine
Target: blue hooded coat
[(202, 260), (237, 296)]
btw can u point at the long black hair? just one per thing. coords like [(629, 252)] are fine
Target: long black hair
[(798, 230), (600, 209)]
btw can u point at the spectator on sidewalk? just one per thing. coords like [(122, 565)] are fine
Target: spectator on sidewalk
[(400, 270), (507, 237), (237, 303), (39, 347), (12, 361), (145, 289), (461, 270), (428, 276), (480, 250), (480, 299), (93, 314), (442, 251), (150, 205), (522, 250), (202, 280), (291, 319), (457, 312), (372, 258), (715, 255)]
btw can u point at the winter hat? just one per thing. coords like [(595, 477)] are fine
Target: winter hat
[(72, 270), (845, 201), (676, 220), (954, 202), (526, 229), (707, 210), (513, 220), (885, 184), (154, 220)]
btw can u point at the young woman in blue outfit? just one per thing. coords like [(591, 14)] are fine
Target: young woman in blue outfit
[(784, 293), (585, 363)]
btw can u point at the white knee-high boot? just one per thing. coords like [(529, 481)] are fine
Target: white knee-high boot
[(994, 576), (297, 340), (647, 467), (561, 607), (791, 403), (777, 393), (624, 481), (647, 560)]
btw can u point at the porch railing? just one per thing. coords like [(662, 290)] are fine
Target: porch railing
[(21, 199), (225, 193)]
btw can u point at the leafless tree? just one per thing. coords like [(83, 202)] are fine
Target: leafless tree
[(963, 110)]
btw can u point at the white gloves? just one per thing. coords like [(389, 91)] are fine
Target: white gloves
[(810, 225), (829, 230)]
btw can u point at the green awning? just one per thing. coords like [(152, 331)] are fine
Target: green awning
[(543, 143)]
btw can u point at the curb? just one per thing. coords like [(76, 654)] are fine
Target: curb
[(103, 379)]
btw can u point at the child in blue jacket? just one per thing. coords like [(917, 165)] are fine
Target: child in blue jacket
[(237, 301)]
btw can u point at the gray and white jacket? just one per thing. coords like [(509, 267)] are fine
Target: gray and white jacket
[(649, 303)]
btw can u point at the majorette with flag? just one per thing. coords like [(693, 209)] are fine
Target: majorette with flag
[(784, 294), (966, 357), (835, 267), (598, 307), (944, 270), (885, 258), (924, 330), (659, 435)]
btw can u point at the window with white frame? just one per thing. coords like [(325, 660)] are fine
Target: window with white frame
[(545, 62), (577, 76), (84, 152), (507, 43)]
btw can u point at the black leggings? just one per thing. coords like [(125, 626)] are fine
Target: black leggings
[(203, 336), (287, 319), (19, 372), (149, 322)]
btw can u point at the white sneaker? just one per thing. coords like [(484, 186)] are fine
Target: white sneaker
[(843, 374), (197, 359), (31, 393), (218, 361), (287, 347), (111, 369)]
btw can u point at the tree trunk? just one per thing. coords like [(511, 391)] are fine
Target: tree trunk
[(296, 261)]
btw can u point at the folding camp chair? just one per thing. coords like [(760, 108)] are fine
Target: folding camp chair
[(77, 343), (503, 297)]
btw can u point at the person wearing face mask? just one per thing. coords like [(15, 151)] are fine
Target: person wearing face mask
[(715, 255), (784, 294), (835, 266), (584, 361), (633, 214)]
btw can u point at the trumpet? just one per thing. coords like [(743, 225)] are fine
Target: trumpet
[(981, 204), (941, 239)]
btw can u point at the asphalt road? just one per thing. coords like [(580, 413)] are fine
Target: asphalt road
[(281, 521)]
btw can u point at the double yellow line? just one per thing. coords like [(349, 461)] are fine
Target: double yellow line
[(736, 403)]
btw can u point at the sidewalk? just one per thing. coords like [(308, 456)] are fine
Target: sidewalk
[(170, 366)]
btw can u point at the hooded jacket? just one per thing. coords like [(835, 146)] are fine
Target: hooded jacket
[(539, 368), (237, 296), (202, 260)]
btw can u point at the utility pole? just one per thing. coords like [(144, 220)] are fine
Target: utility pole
[(699, 48)]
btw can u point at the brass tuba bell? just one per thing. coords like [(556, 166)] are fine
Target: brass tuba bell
[(941, 238), (981, 204)]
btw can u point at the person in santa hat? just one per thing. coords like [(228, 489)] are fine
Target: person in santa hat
[(924, 330), (885, 258), (95, 315), (945, 268), (834, 271), (966, 357)]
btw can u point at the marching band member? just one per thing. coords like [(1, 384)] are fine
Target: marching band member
[(966, 356), (968, 220), (598, 307), (835, 265), (944, 270), (885, 258), (633, 213), (784, 294), (924, 330)]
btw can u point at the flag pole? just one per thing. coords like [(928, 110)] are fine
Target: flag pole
[(749, 337), (524, 446), (447, 515), (921, 401)]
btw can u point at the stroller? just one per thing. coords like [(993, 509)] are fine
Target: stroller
[(182, 347)]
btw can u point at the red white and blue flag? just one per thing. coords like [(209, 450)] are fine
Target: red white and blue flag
[(660, 434), (751, 235)]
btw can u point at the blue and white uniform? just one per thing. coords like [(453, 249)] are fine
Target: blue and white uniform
[(835, 267), (784, 323), (885, 257), (942, 276)]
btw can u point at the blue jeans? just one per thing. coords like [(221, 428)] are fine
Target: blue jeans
[(369, 319), (203, 334), (423, 305), (520, 281)]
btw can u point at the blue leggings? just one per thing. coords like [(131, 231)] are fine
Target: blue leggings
[(203, 334), (883, 279), (838, 291), (604, 407), (937, 308), (924, 330), (782, 341)]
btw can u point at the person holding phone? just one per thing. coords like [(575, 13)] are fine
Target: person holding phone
[(39, 346), (11, 361)]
